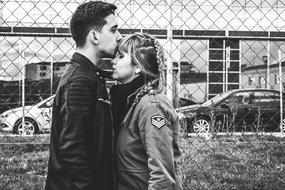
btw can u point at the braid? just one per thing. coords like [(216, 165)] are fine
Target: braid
[(156, 83), (157, 51), (148, 54), (148, 88), (160, 61), (140, 94)]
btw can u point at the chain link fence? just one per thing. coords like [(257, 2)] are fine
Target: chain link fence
[(225, 76)]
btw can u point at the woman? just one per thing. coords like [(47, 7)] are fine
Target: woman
[(146, 123)]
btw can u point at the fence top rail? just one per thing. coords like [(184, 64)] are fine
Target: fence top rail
[(160, 33)]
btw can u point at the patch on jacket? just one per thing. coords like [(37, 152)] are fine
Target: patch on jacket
[(158, 121)]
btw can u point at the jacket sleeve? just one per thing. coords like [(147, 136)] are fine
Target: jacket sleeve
[(72, 138), (157, 138)]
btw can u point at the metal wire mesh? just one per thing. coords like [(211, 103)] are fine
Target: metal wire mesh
[(212, 48)]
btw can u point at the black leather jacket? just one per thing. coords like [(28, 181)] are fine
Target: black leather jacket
[(81, 142)]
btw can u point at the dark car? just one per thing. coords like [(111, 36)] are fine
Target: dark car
[(185, 102), (255, 110)]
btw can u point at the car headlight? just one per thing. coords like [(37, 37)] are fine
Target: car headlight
[(4, 115)]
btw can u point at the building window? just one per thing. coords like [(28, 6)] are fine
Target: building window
[(43, 67), (224, 65), (261, 82), (250, 81), (275, 79), (42, 74), (56, 68)]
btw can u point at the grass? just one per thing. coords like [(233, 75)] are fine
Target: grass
[(233, 162), (23, 166)]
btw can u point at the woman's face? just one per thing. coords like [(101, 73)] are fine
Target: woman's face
[(123, 70)]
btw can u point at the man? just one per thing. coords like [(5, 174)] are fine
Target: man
[(81, 133)]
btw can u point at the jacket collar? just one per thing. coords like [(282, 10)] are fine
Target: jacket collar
[(127, 91), (83, 60), (132, 96)]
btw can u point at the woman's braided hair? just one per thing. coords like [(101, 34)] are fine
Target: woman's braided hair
[(148, 54)]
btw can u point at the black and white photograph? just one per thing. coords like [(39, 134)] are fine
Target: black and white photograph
[(142, 95)]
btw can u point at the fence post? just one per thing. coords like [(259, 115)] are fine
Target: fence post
[(169, 75), (21, 52), (280, 89), (267, 66), (51, 67)]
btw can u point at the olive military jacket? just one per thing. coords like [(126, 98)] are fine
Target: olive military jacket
[(147, 152)]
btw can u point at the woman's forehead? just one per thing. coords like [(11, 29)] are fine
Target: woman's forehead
[(124, 46)]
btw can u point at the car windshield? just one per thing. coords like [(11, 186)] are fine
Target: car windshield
[(216, 99)]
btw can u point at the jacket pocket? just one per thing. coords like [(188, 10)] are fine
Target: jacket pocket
[(130, 179)]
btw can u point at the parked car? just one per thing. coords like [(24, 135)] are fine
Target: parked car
[(37, 118), (237, 110), (185, 102)]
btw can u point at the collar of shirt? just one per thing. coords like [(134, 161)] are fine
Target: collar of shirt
[(81, 59)]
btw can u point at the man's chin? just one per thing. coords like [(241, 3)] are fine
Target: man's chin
[(109, 55)]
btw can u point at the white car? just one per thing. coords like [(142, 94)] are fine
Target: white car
[(37, 118)]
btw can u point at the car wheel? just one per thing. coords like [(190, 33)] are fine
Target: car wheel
[(201, 125), (30, 127)]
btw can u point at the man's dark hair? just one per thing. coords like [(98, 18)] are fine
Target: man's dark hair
[(87, 16)]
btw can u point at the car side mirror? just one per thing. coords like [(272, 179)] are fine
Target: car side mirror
[(49, 104)]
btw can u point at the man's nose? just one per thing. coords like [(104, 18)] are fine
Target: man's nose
[(119, 37)]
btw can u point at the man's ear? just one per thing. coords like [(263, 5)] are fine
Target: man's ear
[(93, 36)]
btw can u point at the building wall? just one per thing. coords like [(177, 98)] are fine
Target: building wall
[(31, 72), (195, 92), (257, 79), (42, 71)]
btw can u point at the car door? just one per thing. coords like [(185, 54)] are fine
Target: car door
[(220, 115), (246, 112), (225, 111), (45, 114), (242, 112), (268, 103)]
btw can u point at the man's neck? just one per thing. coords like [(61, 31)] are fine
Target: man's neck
[(90, 55)]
